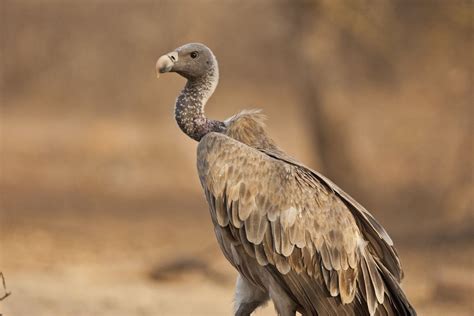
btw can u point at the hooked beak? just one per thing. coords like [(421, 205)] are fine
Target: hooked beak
[(165, 63)]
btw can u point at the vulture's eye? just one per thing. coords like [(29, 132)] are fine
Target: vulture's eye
[(194, 55)]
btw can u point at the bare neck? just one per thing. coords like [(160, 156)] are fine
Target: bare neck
[(189, 109)]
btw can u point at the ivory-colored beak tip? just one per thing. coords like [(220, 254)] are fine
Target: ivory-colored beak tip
[(165, 63)]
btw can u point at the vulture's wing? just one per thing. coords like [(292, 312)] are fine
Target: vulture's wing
[(300, 227), (380, 241)]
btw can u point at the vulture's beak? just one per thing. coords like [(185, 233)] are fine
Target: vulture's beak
[(165, 63)]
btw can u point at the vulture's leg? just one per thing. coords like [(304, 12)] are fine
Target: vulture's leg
[(247, 297)]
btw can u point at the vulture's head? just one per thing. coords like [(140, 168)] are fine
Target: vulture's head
[(191, 61)]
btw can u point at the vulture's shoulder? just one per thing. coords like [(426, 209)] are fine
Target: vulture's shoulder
[(248, 127), (247, 119)]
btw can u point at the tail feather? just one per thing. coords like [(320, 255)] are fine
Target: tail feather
[(396, 298)]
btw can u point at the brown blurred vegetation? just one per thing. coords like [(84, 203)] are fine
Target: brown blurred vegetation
[(101, 211)]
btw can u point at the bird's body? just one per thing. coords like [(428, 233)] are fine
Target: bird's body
[(293, 235)]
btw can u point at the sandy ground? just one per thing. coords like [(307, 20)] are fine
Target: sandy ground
[(113, 265)]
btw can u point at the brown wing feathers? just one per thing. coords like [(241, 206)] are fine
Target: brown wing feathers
[(298, 229), (380, 241)]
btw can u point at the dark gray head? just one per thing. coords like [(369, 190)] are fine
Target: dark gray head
[(191, 61), (196, 63)]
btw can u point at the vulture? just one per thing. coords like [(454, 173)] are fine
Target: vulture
[(292, 234)]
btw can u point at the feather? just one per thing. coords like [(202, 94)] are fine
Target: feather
[(369, 290), (246, 244), (261, 202), (347, 280), (333, 283), (286, 246), (211, 201), (296, 260), (255, 227), (272, 213), (296, 234), (326, 258), (227, 235), (233, 192), (288, 217), (344, 260), (335, 258), (268, 246), (307, 260), (375, 277), (353, 259), (235, 255), (282, 264), (235, 215), (326, 276), (397, 301), (276, 233), (260, 255), (235, 233), (221, 212), (388, 255), (228, 205), (244, 210)]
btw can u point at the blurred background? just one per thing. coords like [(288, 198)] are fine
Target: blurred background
[(101, 209)]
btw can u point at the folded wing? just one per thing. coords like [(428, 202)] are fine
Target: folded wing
[(308, 233)]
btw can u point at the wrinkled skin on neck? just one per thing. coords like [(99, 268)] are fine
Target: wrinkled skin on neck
[(189, 109)]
